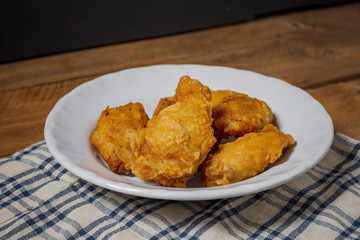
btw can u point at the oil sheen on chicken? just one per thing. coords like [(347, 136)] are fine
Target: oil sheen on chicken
[(245, 157), (131, 114)]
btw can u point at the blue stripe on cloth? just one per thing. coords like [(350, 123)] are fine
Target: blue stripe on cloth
[(343, 187), (353, 228), (52, 213), (130, 218), (27, 150), (328, 214), (8, 188), (322, 206), (176, 228), (138, 216), (5, 160), (235, 211), (50, 167), (48, 164), (293, 201)]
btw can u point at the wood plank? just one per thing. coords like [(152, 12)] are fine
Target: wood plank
[(25, 110), (290, 46), (342, 101)]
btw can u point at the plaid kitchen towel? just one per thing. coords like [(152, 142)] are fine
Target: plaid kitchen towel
[(42, 200)]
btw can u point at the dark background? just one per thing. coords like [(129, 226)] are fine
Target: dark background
[(32, 28)]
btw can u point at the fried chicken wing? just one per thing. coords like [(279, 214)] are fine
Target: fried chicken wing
[(246, 157), (132, 114), (234, 114), (169, 150)]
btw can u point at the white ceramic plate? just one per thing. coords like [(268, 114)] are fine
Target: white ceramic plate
[(74, 117)]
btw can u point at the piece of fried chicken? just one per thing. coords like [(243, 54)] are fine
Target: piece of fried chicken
[(132, 114), (169, 150), (246, 157), (234, 114)]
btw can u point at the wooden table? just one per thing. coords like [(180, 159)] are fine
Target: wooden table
[(317, 50)]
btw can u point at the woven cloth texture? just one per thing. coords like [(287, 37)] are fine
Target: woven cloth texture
[(40, 199)]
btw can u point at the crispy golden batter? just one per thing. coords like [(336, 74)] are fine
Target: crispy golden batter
[(169, 150), (220, 96), (163, 103), (132, 114), (246, 157), (234, 114)]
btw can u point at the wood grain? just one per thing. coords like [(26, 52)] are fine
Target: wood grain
[(298, 47), (24, 112), (341, 101)]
